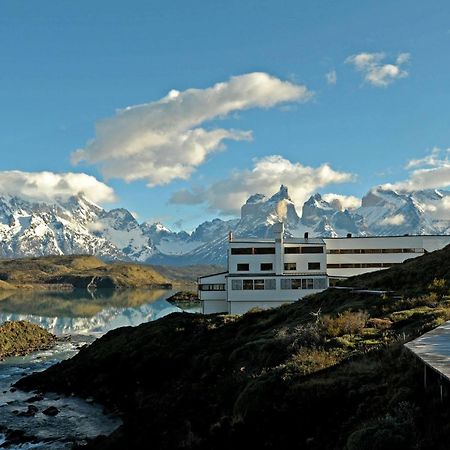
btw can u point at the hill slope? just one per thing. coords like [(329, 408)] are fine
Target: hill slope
[(78, 271), (329, 372)]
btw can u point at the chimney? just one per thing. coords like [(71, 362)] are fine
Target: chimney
[(306, 235), (349, 235), (230, 236), (278, 231)]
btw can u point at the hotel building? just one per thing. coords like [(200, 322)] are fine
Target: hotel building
[(266, 273)]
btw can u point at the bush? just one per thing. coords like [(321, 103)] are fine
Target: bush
[(345, 323), (439, 287), (309, 360)]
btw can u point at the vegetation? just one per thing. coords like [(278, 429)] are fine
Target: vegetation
[(77, 271), (328, 372), (20, 338)]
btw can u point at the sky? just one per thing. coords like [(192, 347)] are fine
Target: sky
[(179, 110)]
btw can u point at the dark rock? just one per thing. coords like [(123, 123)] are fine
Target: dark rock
[(51, 411), (31, 411), (35, 398)]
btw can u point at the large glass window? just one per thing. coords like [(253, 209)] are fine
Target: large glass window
[(242, 251), (236, 285), (243, 267), (258, 285), (296, 284), (270, 284), (312, 249), (290, 266), (247, 285), (291, 250), (266, 266), (314, 266), (211, 287), (285, 283), (264, 250), (320, 283)]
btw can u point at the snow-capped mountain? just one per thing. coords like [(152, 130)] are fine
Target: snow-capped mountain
[(78, 226)]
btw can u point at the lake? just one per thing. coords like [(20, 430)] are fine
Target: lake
[(83, 316)]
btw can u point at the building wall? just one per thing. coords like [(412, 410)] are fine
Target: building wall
[(394, 250)]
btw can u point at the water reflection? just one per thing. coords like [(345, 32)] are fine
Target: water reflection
[(81, 312)]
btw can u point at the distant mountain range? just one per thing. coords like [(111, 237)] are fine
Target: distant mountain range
[(78, 226)]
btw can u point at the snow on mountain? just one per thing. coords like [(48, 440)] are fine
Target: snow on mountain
[(78, 226)]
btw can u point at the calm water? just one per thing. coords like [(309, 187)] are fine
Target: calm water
[(84, 317)]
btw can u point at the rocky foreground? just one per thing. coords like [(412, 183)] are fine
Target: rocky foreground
[(329, 372), (21, 338)]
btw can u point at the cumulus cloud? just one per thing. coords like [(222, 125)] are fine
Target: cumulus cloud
[(331, 77), (50, 186), (397, 219), (341, 202), (164, 140), (430, 172), (376, 71), (268, 173)]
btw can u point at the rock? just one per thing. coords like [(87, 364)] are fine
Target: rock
[(30, 412), (35, 398), (51, 411)]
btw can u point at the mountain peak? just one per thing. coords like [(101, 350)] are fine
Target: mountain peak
[(282, 194)]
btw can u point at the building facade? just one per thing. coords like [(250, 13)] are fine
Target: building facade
[(266, 273)]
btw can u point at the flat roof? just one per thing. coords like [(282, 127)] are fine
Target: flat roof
[(433, 348), (212, 275), (385, 237), (303, 241)]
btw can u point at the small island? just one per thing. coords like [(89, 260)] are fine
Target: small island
[(21, 338)]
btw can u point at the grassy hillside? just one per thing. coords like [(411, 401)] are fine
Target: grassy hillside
[(328, 372), (20, 338), (77, 271)]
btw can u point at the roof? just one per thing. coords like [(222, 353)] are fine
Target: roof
[(385, 237), (212, 275), (303, 241)]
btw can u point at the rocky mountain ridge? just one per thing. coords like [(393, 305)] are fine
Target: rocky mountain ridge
[(79, 226)]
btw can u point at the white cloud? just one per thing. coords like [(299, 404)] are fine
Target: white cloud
[(430, 172), (50, 186), (331, 77), (397, 219), (341, 202), (375, 71), (163, 140), (268, 173)]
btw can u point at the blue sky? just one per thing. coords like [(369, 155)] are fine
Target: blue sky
[(66, 66)]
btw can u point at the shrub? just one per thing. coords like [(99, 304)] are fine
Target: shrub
[(439, 287), (345, 323), (308, 360)]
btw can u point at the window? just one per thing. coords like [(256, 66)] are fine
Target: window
[(264, 250), (258, 285), (247, 285), (314, 266), (243, 267), (269, 284), (285, 283), (312, 249), (266, 266), (211, 287), (290, 266), (291, 250), (241, 251), (320, 283), (296, 284), (236, 285)]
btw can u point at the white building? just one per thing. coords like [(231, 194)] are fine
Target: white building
[(266, 273)]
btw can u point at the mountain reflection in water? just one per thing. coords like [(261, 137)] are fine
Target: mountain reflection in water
[(82, 312)]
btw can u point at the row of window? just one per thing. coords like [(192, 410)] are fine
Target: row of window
[(285, 284), (250, 285), (211, 287), (271, 250), (352, 251), (359, 266), (244, 267)]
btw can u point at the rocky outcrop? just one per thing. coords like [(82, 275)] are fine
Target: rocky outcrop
[(21, 338)]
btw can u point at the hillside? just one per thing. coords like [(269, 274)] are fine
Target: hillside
[(20, 338), (77, 271), (329, 372)]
